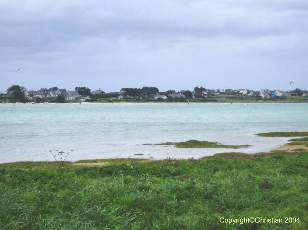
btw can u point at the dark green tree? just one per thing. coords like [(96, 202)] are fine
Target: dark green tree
[(131, 92), (83, 91), (16, 93), (2, 98), (188, 94), (54, 88), (297, 92), (149, 91), (199, 92)]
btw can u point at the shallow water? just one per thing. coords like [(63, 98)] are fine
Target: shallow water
[(95, 131)]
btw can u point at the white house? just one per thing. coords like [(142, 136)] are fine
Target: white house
[(160, 97), (177, 95), (243, 92)]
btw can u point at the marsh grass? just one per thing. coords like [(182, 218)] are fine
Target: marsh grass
[(301, 143), (283, 134), (300, 139), (202, 144), (206, 144)]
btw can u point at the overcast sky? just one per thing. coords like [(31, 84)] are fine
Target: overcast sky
[(172, 44)]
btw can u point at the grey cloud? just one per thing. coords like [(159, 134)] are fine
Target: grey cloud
[(49, 23), (145, 41)]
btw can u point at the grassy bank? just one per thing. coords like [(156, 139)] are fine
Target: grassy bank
[(143, 194)]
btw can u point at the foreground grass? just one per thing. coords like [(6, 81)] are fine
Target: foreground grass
[(123, 194), (202, 144)]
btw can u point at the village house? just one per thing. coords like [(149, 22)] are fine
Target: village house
[(277, 93), (72, 96), (243, 92), (176, 95), (265, 93), (55, 92)]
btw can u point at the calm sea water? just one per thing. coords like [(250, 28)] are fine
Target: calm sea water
[(95, 131)]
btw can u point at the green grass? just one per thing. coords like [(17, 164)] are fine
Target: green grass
[(124, 194), (202, 144), (283, 134)]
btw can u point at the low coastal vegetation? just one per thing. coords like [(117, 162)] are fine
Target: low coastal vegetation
[(298, 144), (300, 139), (169, 194), (283, 134), (202, 144), (301, 142)]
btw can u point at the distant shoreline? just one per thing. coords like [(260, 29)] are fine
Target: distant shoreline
[(167, 102)]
